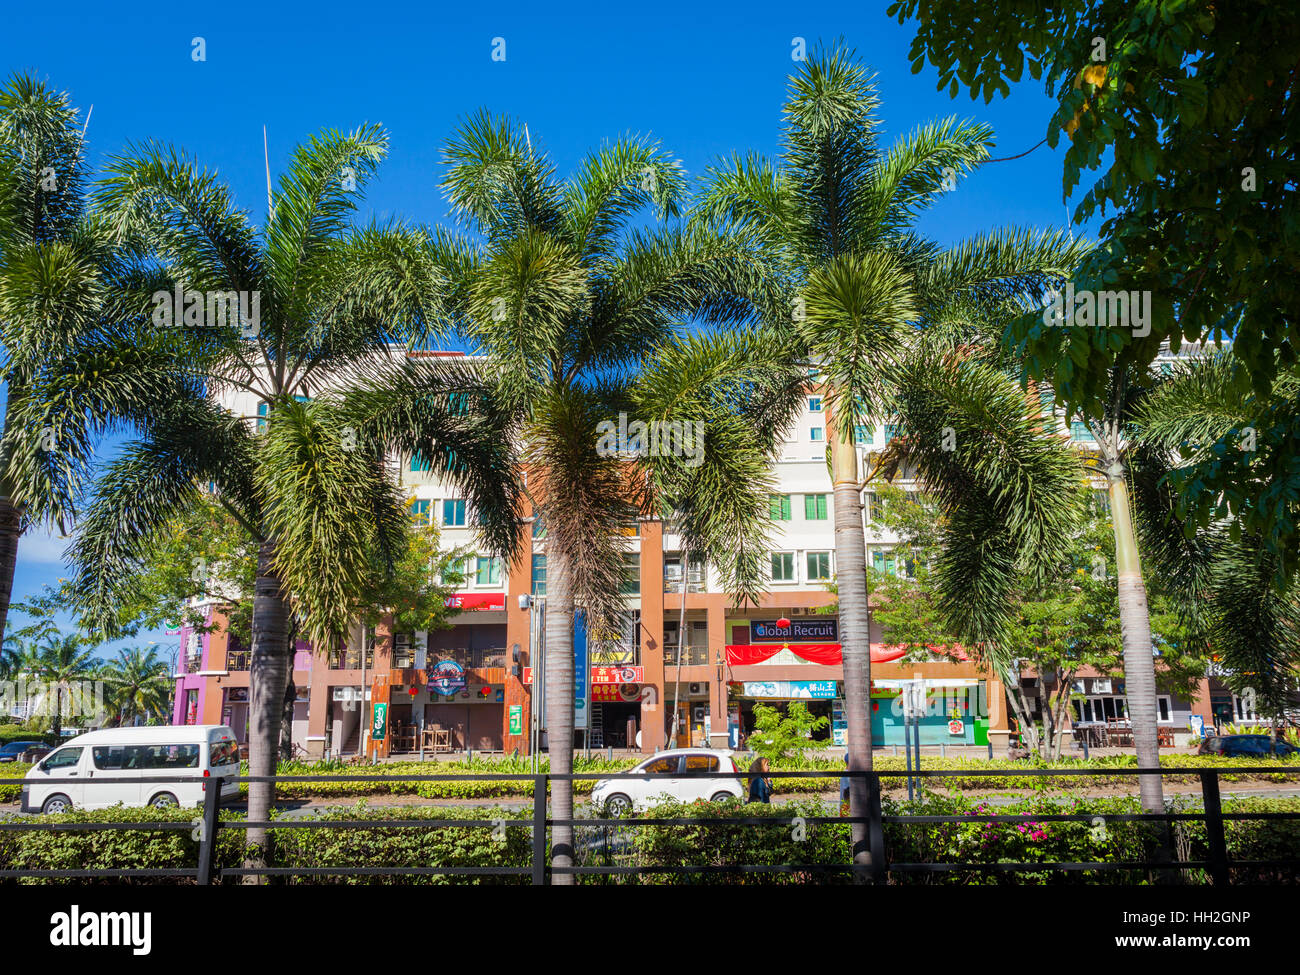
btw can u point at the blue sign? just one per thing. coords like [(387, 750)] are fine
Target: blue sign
[(580, 669), (447, 677)]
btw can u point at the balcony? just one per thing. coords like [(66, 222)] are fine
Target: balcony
[(351, 659), (673, 582), (238, 659), (691, 655), (193, 664)]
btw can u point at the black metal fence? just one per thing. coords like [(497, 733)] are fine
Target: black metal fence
[(872, 862)]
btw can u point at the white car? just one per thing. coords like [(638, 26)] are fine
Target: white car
[(679, 774)]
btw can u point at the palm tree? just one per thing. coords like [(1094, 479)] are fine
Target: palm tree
[(292, 311), (60, 662), (138, 685), (58, 276), (583, 321), (1227, 581), (836, 215)]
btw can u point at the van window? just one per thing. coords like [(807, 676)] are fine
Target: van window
[(62, 759), (145, 756), (224, 753)]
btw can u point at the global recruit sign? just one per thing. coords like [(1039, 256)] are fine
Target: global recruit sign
[(796, 631)]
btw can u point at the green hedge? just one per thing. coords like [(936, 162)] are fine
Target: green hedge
[(787, 838), (16, 732)]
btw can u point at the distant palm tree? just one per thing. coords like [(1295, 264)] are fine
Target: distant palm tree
[(59, 663), (136, 685)]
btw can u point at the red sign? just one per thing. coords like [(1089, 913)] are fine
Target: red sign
[(477, 601), (615, 692)]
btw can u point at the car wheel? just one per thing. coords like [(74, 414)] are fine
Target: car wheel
[(721, 797), (164, 800), (617, 806), (57, 803)]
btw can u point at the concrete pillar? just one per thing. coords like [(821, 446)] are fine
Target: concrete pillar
[(718, 637), (519, 582), (651, 637)]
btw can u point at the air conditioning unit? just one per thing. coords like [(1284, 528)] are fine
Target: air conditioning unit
[(697, 713), (697, 687)]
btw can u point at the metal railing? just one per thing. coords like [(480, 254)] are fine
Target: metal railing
[(350, 659), (238, 659), (480, 657), (692, 656), (872, 862)]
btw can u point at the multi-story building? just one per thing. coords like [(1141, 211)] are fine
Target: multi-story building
[(459, 688)]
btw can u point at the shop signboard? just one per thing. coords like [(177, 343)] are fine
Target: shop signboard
[(447, 677), (516, 719), (379, 725), (476, 601), (580, 671), (791, 690), (617, 675), (795, 631)]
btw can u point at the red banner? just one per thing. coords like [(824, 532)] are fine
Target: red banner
[(826, 654), (477, 600)]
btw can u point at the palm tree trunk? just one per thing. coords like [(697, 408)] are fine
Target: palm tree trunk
[(1135, 632), (10, 532), (855, 626), (268, 674), (559, 706)]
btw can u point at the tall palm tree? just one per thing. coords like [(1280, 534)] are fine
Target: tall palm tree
[(315, 299), (585, 320), (137, 685), (60, 662), (58, 275), (836, 214)]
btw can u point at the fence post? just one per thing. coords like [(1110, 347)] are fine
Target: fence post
[(1214, 828), (876, 830), (539, 829), (208, 838)]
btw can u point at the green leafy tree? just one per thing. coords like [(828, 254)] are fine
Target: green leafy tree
[(1193, 140), (58, 663), (778, 735)]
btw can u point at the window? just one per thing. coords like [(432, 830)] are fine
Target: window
[(453, 513), (631, 574), (871, 504), (1079, 431), (539, 527), (701, 763), (815, 434), (819, 566), (891, 431), (662, 766), (145, 756), (814, 507), (262, 409), (422, 511), (420, 463), (783, 567), (539, 575), (780, 507), (63, 758), (883, 562), (814, 404), (223, 753), (488, 572), (862, 434)]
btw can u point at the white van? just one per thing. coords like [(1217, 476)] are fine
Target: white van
[(143, 756)]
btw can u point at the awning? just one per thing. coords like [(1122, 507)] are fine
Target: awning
[(826, 654)]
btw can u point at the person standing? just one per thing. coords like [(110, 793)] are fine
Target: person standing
[(760, 786)]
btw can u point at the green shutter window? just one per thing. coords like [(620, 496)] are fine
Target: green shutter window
[(539, 575), (819, 566), (779, 507), (783, 567), (814, 507), (487, 571)]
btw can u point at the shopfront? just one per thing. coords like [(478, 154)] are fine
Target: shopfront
[(820, 697), (955, 713)]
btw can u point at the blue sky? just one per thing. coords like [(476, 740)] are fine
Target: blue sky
[(703, 79)]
